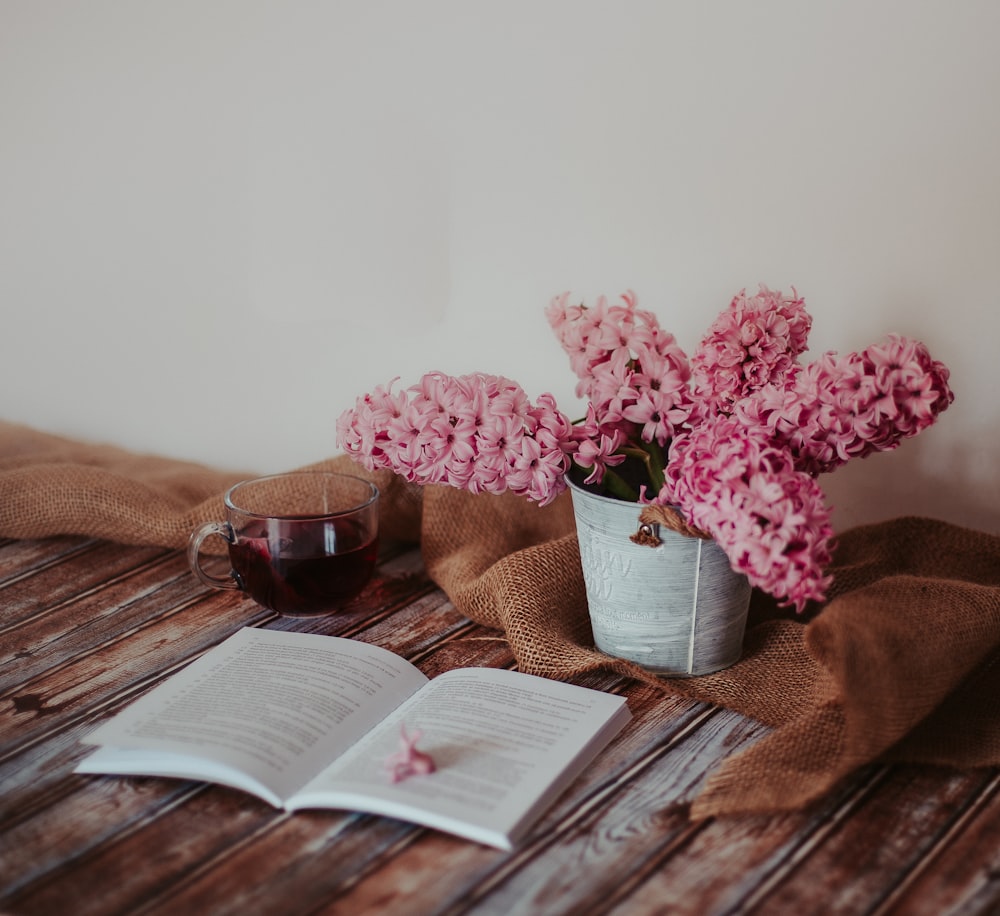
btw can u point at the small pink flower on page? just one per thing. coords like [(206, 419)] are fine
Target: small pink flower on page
[(408, 761)]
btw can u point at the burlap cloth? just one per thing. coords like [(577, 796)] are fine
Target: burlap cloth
[(900, 664)]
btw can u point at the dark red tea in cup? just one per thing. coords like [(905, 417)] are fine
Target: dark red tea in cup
[(300, 544), (298, 575)]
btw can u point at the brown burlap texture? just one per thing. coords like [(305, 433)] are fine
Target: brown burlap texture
[(901, 664)]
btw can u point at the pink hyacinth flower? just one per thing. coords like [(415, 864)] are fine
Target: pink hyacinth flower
[(478, 432), (408, 761), (768, 517), (843, 407), (753, 343)]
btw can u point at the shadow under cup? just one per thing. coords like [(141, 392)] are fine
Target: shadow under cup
[(301, 544)]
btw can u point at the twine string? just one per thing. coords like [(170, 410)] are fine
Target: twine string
[(653, 516)]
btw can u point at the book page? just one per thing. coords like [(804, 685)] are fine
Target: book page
[(276, 706), (504, 744)]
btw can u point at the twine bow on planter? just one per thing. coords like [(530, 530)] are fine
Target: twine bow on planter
[(653, 516)]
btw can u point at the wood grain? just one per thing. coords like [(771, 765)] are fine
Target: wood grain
[(86, 626)]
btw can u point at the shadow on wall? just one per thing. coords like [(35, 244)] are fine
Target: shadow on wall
[(893, 484)]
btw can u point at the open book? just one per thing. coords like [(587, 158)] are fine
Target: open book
[(308, 721)]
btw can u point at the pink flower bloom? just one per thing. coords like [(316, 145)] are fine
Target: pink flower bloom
[(755, 342), (595, 447), (500, 436), (478, 432), (536, 472), (655, 412), (408, 761), (362, 431), (605, 342), (548, 424), (843, 407), (768, 517)]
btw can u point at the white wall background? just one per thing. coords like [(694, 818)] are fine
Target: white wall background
[(222, 220)]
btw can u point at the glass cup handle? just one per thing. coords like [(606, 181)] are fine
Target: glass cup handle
[(225, 531)]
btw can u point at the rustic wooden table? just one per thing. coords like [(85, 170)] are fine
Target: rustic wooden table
[(86, 626)]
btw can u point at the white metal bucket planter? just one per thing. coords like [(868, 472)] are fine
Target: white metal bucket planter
[(672, 604)]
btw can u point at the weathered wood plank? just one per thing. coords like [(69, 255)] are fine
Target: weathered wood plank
[(129, 635), (86, 626), (62, 571), (19, 558), (844, 855), (81, 685), (960, 873), (80, 625), (889, 832)]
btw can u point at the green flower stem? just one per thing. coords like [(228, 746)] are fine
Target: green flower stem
[(651, 457), (656, 464), (643, 465), (615, 486)]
